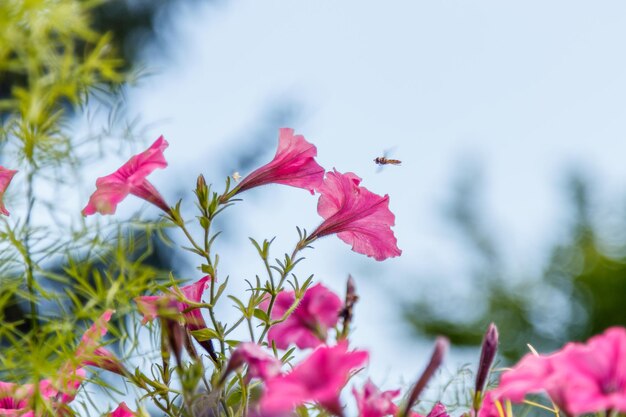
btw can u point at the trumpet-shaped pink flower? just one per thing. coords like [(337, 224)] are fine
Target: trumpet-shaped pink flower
[(308, 325), (122, 411), (294, 164), (591, 377), (527, 377), (89, 351), (260, 363), (580, 378), (130, 178), (371, 402), (6, 175), (319, 378), (13, 400), (152, 306), (356, 215)]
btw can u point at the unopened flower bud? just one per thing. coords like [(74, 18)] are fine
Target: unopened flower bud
[(441, 346), (174, 335), (487, 356), (202, 192)]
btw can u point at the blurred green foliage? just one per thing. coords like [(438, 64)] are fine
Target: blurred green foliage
[(580, 291), (57, 275)]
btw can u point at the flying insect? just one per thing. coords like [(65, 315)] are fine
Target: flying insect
[(381, 160)]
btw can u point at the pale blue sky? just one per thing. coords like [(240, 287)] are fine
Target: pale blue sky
[(529, 89)]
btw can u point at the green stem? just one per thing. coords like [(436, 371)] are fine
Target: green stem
[(275, 290), (30, 276)]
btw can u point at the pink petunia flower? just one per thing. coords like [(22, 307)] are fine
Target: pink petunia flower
[(489, 406), (150, 305), (122, 411), (356, 215), (529, 376), (260, 363), (591, 377), (130, 178), (308, 325), (372, 402), (438, 410), (6, 175), (580, 378), (294, 164), (89, 351), (13, 400), (153, 306), (319, 378)]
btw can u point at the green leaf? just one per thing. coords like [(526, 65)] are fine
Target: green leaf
[(205, 334), (232, 343), (261, 315)]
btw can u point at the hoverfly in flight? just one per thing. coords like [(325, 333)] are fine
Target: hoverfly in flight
[(381, 160)]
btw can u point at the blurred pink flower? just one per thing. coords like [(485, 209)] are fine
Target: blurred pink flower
[(319, 378), (439, 410), (193, 292), (371, 402), (152, 306), (294, 164), (13, 400), (308, 325), (580, 378), (90, 352), (6, 175), (260, 363), (358, 217), (488, 407), (130, 178), (591, 377), (529, 376), (122, 411)]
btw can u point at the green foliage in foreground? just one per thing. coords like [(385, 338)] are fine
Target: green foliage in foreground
[(56, 276)]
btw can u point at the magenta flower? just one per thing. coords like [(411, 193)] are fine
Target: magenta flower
[(130, 178), (153, 306), (439, 410), (529, 376), (591, 377), (122, 411), (260, 363), (294, 164), (6, 175), (371, 402), (308, 325), (16, 400), (580, 378), (356, 215), (488, 407), (13, 400), (319, 378), (89, 351)]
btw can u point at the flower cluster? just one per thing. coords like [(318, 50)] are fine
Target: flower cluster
[(296, 357), (352, 212)]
